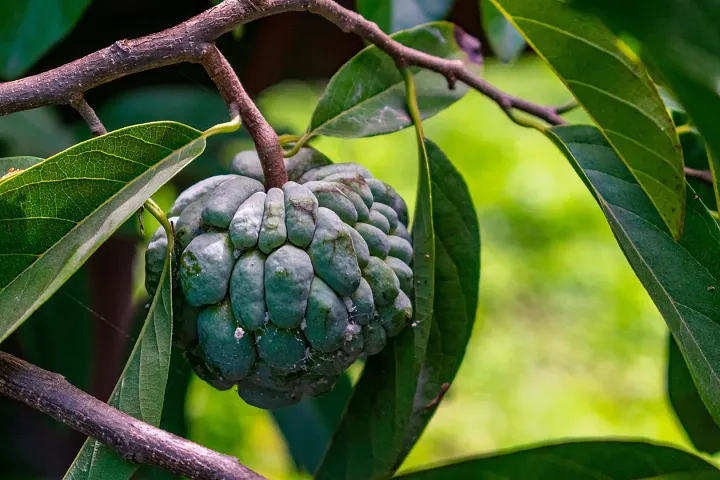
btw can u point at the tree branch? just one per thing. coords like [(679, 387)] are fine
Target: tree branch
[(704, 175), (239, 103), (191, 40), (88, 114), (134, 440)]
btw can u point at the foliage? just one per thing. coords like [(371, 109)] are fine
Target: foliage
[(56, 212)]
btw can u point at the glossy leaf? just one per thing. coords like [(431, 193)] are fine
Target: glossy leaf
[(394, 15), (309, 425), (581, 460), (683, 278), (140, 391), (505, 40), (457, 277), (689, 408), (616, 92), (683, 40), (28, 28), (366, 96), (371, 437), (55, 214)]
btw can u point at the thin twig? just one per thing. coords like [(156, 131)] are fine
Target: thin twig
[(134, 440), (703, 175), (190, 41), (239, 102), (88, 114)]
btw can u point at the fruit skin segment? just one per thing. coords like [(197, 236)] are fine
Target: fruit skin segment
[(281, 290)]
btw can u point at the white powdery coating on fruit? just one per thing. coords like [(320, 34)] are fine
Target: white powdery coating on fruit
[(352, 330), (239, 333)]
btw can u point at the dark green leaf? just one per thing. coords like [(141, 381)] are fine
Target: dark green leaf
[(189, 105), (371, 437), (394, 15), (54, 215), (173, 414), (17, 163), (617, 93), (28, 28), (581, 460), (683, 278), (38, 132), (683, 39), (308, 426), (505, 40), (696, 157), (140, 391), (367, 95), (699, 425), (457, 277)]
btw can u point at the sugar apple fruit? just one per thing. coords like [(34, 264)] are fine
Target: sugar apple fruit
[(281, 289)]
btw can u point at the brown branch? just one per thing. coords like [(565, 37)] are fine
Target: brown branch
[(704, 175), (88, 114), (134, 440), (191, 40), (239, 103)]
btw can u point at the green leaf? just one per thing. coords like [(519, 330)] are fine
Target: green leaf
[(371, 437), (55, 214), (308, 426), (457, 277), (689, 408), (38, 132), (696, 157), (17, 163), (683, 40), (394, 15), (580, 460), (366, 96), (28, 28), (140, 391), (682, 278), (616, 92), (185, 104), (505, 40)]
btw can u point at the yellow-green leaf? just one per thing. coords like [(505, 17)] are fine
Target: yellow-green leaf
[(617, 93)]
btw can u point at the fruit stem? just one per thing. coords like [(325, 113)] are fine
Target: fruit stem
[(157, 212)]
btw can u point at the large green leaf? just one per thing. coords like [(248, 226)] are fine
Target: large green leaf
[(581, 460), (683, 278), (457, 277), (505, 40), (617, 93), (682, 38), (140, 391), (28, 28), (367, 95), (308, 426), (370, 439), (699, 425), (58, 212), (394, 15)]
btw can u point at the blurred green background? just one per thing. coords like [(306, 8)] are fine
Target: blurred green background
[(567, 342)]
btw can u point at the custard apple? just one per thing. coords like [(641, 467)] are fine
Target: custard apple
[(281, 289)]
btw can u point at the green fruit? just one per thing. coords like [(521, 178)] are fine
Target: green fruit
[(281, 290)]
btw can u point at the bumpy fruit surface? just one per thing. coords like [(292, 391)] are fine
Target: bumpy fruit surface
[(280, 290)]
